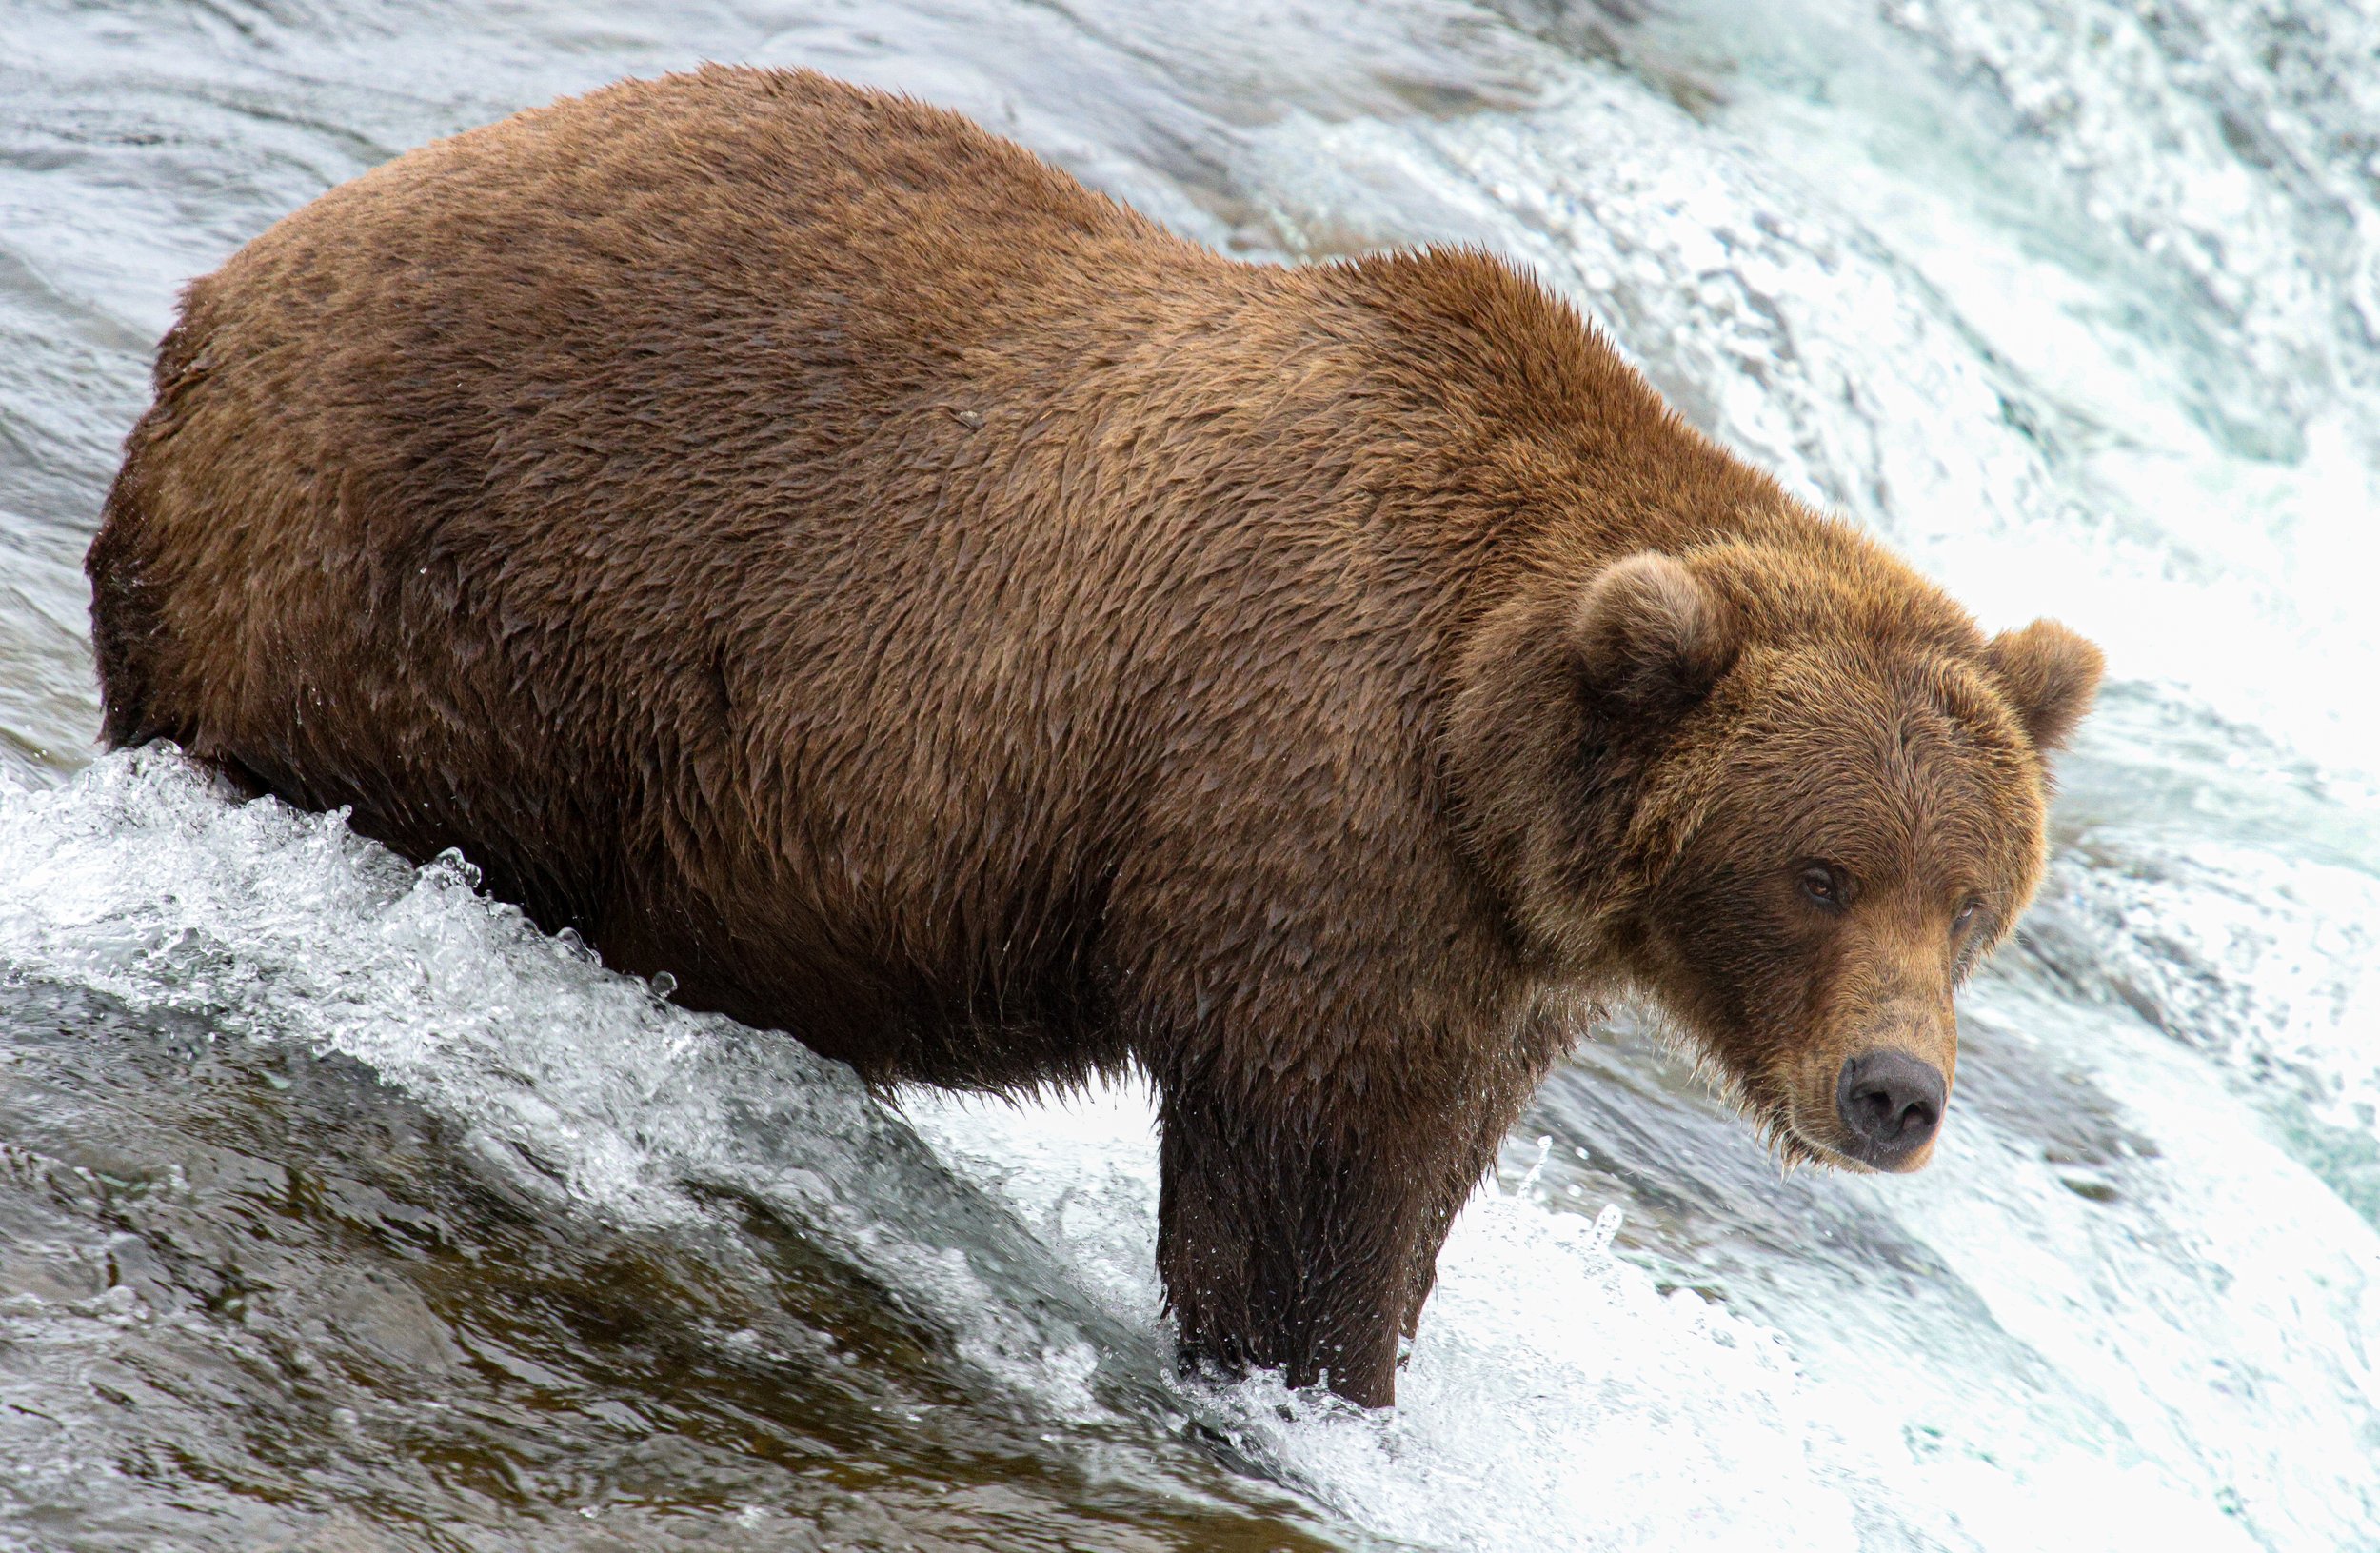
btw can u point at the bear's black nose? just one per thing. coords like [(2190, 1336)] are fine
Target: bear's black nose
[(1892, 1103)]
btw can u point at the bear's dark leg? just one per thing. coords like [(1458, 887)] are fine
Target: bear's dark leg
[(1467, 1165), (1287, 1235), (1494, 1095), (1424, 1284)]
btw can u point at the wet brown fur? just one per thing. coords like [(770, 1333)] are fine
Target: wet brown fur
[(820, 550)]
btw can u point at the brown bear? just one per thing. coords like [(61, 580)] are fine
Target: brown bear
[(821, 552)]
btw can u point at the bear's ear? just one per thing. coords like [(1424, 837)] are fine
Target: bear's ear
[(2050, 676), (1648, 633)]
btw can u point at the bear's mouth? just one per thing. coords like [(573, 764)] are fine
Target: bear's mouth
[(1817, 1152), (1779, 1122), (1800, 1115), (1878, 1111), (1796, 1141), (1806, 1145), (1798, 1144)]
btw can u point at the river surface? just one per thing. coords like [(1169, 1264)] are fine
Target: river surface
[(341, 1211)]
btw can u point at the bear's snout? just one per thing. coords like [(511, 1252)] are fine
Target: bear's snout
[(1891, 1105)]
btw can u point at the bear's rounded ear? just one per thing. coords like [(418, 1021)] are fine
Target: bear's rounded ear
[(1648, 632), (2049, 675)]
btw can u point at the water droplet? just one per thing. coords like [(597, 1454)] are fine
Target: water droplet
[(1607, 1227)]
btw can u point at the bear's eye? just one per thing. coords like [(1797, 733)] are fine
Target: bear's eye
[(1967, 915), (1824, 883)]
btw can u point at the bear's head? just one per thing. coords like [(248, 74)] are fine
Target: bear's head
[(1786, 792)]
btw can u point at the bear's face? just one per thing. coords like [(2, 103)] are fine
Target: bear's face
[(1848, 834), (1793, 801)]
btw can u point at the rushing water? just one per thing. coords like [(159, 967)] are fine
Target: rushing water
[(339, 1209)]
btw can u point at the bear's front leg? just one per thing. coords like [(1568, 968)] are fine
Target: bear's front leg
[(1291, 1225)]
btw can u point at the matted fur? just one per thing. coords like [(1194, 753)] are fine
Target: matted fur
[(820, 551)]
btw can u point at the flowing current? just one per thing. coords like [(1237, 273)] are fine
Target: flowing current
[(340, 1209)]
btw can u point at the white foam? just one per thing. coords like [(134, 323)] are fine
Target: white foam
[(140, 881), (1552, 1384), (1869, 378), (2270, 965)]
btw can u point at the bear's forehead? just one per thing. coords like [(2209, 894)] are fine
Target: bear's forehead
[(1855, 752), (1829, 584), (1889, 701)]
